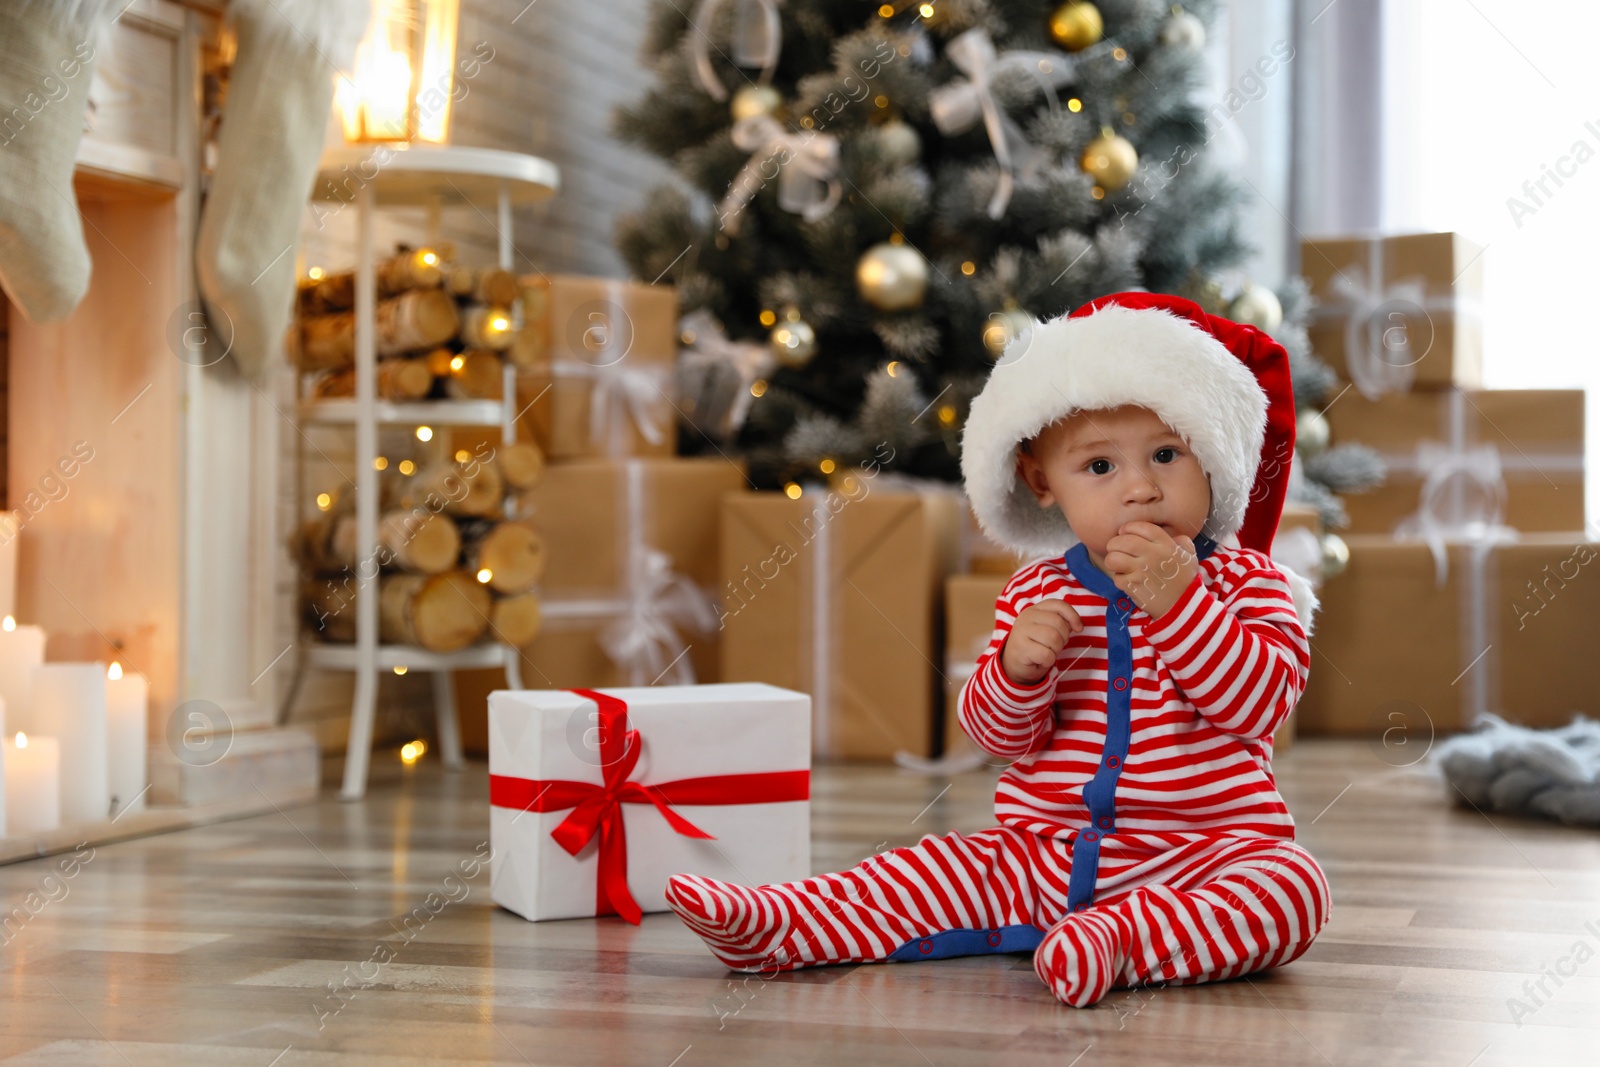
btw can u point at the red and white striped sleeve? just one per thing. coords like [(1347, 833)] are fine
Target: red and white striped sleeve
[(1236, 649), (1003, 718)]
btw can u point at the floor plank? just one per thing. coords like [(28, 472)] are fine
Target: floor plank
[(256, 942)]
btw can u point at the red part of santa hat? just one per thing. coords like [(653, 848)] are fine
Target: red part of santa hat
[(1222, 385)]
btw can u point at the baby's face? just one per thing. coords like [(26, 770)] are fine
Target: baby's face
[(1112, 466)]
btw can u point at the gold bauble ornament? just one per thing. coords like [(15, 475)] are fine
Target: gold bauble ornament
[(898, 143), (1257, 306), (1005, 326), (793, 341), (1110, 160), (1076, 25), (755, 100), (1183, 30), (892, 276), (1335, 556), (1311, 432)]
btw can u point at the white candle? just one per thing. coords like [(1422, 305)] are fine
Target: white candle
[(21, 652), (8, 562), (69, 703), (127, 715), (33, 784)]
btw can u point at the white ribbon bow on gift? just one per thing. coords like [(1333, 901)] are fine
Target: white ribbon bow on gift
[(754, 44), (711, 347), (1378, 353), (1463, 496), (619, 390), (807, 170), (645, 638), (955, 107)]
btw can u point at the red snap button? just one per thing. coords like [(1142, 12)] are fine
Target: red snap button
[(1120, 683), (1090, 835), (1105, 822), (926, 947), (1080, 907), (1124, 603), (1112, 761), (994, 938)]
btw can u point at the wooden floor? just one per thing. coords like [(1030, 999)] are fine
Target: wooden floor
[(220, 945)]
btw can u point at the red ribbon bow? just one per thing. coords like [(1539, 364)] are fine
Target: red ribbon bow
[(597, 809)]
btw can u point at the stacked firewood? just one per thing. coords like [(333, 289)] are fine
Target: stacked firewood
[(441, 330), (455, 562)]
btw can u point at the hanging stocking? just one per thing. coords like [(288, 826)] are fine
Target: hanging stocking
[(280, 95), (47, 51)]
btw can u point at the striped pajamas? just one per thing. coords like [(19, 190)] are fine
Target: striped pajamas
[(1142, 837)]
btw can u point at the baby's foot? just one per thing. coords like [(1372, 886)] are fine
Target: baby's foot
[(1082, 956), (744, 928)]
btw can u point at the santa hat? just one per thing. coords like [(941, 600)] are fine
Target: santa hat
[(1222, 386)]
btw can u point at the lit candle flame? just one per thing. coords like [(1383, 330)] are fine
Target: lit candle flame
[(114, 671), (484, 575), (22, 739), (9, 624)]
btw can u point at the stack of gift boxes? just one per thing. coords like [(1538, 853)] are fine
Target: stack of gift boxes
[(1466, 588), (630, 528), (666, 570)]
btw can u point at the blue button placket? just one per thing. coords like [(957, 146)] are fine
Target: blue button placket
[(1100, 793)]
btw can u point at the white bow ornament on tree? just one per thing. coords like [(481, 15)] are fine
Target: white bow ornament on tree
[(757, 38), (806, 165), (957, 106)]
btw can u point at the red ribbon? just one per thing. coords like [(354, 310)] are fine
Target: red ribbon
[(597, 809)]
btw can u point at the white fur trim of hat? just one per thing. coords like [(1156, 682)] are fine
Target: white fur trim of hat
[(1115, 356)]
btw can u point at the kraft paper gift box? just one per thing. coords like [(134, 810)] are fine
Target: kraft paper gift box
[(597, 797), (1536, 436), (603, 354), (968, 626), (838, 595), (627, 593), (1298, 545), (979, 554), (1510, 629), (1393, 314)]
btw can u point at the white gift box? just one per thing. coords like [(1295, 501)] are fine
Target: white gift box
[(629, 777)]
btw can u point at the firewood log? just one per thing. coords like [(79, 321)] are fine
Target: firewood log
[(476, 374), (515, 619), (416, 320), (490, 285), (439, 361), (521, 464), (311, 544), (487, 326), (398, 379), (508, 556), (438, 612), (421, 268), (474, 489)]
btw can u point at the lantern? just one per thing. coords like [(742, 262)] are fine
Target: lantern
[(401, 86)]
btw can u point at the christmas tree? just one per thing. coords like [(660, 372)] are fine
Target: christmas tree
[(879, 199)]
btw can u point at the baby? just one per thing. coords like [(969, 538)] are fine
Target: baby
[(1135, 677)]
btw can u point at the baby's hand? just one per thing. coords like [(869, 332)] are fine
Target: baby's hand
[(1151, 566), (1036, 638)]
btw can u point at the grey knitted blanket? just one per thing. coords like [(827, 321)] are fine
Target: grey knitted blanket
[(1549, 774)]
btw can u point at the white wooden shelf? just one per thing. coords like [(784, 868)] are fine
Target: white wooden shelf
[(415, 413), (339, 657), (427, 174), (372, 177)]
